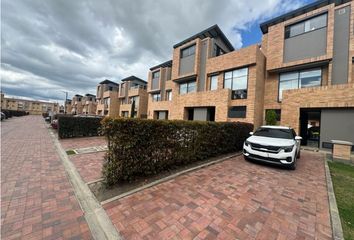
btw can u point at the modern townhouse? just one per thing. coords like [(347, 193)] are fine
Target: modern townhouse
[(107, 98), (310, 74), (89, 104), (31, 106), (76, 104), (133, 97), (67, 106), (209, 80)]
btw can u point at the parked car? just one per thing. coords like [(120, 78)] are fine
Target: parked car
[(3, 116), (273, 144)]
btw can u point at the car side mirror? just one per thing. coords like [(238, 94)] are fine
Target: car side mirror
[(251, 133), (298, 138)]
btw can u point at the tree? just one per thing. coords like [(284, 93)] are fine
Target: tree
[(271, 117)]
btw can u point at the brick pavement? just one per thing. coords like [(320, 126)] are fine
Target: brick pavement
[(37, 200), (83, 142), (234, 199), (89, 165)]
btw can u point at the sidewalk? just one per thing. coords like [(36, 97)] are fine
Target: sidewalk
[(37, 200)]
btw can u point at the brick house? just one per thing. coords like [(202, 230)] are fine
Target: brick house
[(89, 104), (303, 70), (133, 89), (107, 98), (76, 104)]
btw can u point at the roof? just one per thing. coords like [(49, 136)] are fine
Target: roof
[(297, 12), (162, 65), (133, 78), (106, 81), (78, 95), (90, 95), (275, 127), (213, 31)]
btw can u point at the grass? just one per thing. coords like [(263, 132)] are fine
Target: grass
[(343, 183), (70, 152)]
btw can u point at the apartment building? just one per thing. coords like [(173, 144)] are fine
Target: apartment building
[(76, 104), (133, 97), (208, 79), (309, 71), (107, 98), (89, 104), (68, 106), (31, 106)]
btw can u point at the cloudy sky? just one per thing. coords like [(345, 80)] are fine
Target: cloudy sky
[(48, 47)]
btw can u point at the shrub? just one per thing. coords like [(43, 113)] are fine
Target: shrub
[(271, 117), (139, 147), (69, 126)]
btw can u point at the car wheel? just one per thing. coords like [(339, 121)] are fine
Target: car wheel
[(293, 165), (298, 155)]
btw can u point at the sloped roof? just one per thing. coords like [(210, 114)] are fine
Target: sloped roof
[(162, 65)]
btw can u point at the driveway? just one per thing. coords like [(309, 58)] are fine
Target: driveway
[(37, 200), (234, 199)]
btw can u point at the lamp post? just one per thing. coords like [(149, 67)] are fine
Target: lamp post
[(66, 98)]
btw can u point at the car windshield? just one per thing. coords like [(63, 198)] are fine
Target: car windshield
[(274, 133)]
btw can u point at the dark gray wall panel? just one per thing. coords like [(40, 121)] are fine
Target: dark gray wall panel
[(202, 69), (341, 45), (337, 124), (200, 114), (186, 65), (307, 45)]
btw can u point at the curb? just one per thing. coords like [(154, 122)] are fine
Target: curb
[(99, 223), (337, 232), (149, 185)]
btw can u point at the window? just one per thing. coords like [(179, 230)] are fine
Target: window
[(236, 80), (309, 25), (299, 79), (125, 114), (187, 87), (274, 133), (156, 97), (237, 112), (106, 101), (168, 95), (110, 88), (155, 80), (135, 99), (188, 51), (213, 82)]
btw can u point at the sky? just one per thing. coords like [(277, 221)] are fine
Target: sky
[(49, 47)]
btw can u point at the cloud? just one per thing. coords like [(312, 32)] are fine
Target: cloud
[(54, 46)]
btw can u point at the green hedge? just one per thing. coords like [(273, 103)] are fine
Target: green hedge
[(139, 147), (69, 127)]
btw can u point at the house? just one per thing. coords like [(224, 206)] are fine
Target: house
[(133, 89), (89, 104), (107, 98), (67, 106), (309, 71), (76, 104)]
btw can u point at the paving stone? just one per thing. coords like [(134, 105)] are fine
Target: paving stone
[(38, 201), (234, 199)]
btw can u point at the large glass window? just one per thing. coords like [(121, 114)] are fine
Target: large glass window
[(299, 79), (213, 82), (306, 26), (187, 87), (188, 51), (155, 80), (156, 97), (236, 80)]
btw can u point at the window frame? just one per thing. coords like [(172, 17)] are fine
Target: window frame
[(232, 78), (158, 99), (243, 107), (168, 95), (303, 22), (187, 88), (299, 79), (189, 52), (210, 82), (155, 78)]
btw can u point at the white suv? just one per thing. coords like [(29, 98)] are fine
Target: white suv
[(273, 144)]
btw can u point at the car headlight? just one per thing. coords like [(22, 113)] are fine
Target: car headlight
[(247, 143), (288, 148)]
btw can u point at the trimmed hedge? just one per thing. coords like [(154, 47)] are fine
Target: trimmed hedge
[(69, 127), (139, 147)]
